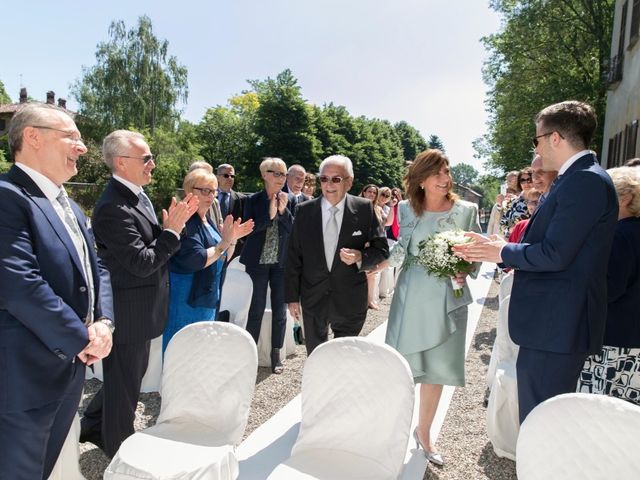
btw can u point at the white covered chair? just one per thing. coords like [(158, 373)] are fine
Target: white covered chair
[(236, 296), (236, 265), (504, 351), (68, 465), (580, 435), (503, 423), (207, 386), (153, 376), (357, 404)]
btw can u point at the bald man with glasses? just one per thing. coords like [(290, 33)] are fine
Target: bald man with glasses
[(335, 239)]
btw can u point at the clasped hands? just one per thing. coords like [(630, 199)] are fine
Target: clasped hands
[(100, 343), (278, 204), (481, 249)]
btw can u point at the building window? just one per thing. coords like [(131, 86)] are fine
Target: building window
[(632, 140), (616, 64), (635, 23), (3, 124)]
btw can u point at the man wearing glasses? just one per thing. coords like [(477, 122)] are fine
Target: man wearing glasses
[(136, 249), (56, 308), (335, 239), (231, 202), (558, 302)]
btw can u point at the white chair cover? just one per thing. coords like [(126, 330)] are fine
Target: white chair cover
[(357, 404), (207, 386), (387, 282), (236, 265), (236, 296), (505, 351), (153, 376), (264, 341), (580, 435), (506, 284), (68, 465), (503, 423)]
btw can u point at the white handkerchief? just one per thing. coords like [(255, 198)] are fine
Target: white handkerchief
[(357, 233)]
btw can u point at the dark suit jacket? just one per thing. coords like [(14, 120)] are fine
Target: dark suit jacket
[(623, 281), (191, 259), (257, 208), (559, 296), (136, 251), (344, 288), (43, 298), (295, 201), (236, 209)]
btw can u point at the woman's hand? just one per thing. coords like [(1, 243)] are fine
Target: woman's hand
[(273, 206), (283, 199), (233, 230)]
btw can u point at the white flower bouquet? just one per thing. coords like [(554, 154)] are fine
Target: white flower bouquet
[(436, 256)]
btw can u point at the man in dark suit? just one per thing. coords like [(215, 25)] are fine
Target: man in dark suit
[(55, 302), (335, 239), (295, 181), (558, 302), (231, 202), (136, 251)]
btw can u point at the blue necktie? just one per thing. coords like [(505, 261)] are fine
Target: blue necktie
[(224, 204)]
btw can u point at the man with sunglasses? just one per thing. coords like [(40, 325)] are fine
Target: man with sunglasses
[(231, 202), (558, 304), (334, 240), (136, 250)]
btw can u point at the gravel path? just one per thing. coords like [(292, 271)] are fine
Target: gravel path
[(463, 440)]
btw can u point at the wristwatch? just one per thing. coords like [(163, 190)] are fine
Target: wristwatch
[(108, 322)]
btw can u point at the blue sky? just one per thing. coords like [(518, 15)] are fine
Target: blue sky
[(413, 60)]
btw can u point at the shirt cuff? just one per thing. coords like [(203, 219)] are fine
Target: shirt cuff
[(174, 232)]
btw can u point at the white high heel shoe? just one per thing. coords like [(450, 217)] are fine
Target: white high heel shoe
[(433, 457)]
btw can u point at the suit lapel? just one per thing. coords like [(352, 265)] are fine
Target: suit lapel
[(316, 232), (133, 200)]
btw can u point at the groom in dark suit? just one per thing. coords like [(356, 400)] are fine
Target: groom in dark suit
[(55, 301), (335, 238), (136, 250), (561, 264)]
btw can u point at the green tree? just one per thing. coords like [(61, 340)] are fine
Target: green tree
[(546, 52), (4, 96), (411, 139), (135, 83), (464, 174), (435, 142)]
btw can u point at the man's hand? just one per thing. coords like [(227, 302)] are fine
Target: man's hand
[(349, 256), (100, 343), (179, 212), (294, 310), (482, 249)]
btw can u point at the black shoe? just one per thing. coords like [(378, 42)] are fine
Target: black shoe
[(276, 364), (94, 437)]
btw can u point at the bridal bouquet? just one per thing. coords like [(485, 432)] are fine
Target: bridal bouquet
[(437, 257)]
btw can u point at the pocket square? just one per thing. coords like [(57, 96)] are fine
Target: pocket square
[(357, 233)]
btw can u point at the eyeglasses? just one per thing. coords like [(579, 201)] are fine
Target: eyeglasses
[(145, 158), (385, 195), (535, 141), (70, 134), (206, 191), (277, 174), (327, 178), (227, 175), (526, 180)]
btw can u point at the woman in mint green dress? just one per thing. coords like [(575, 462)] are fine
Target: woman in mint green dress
[(427, 323)]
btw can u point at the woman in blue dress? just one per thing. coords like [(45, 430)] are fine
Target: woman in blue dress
[(427, 322), (196, 269)]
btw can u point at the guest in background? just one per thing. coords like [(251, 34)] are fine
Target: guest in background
[(265, 253), (370, 192), (214, 212), (393, 230), (231, 202), (427, 323), (385, 219), (516, 209), (615, 371), (196, 269), (309, 188), (532, 197), (542, 179)]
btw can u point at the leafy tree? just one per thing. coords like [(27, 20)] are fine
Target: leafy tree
[(135, 83), (411, 139), (547, 52), (464, 174), (4, 96), (435, 142)]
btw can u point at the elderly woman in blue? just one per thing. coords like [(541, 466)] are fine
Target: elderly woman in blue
[(196, 269)]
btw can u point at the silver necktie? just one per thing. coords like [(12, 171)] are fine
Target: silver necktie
[(147, 204), (331, 237)]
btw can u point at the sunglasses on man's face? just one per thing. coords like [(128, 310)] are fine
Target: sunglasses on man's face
[(327, 178), (145, 158), (227, 175)]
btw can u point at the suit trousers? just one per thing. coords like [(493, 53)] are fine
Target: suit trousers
[(31, 441), (112, 410), (262, 276), (316, 327), (543, 375)]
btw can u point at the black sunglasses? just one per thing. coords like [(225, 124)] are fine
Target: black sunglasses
[(227, 175), (535, 140), (145, 158), (526, 180), (327, 178)]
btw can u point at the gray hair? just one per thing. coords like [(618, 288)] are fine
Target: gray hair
[(117, 141), (32, 114), (298, 167), (224, 166), (203, 165), (626, 180), (340, 161)]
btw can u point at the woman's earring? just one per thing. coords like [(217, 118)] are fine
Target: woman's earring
[(421, 187)]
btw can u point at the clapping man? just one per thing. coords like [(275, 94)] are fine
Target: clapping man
[(231, 202), (561, 264), (55, 302), (136, 250), (335, 239)]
